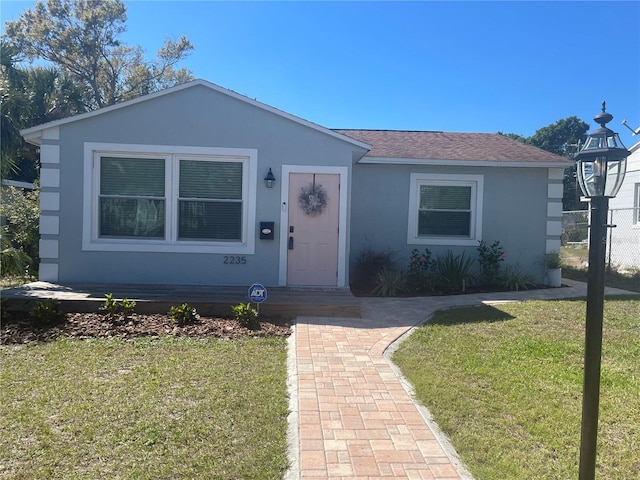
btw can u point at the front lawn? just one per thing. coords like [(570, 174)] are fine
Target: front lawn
[(504, 382), (150, 408)]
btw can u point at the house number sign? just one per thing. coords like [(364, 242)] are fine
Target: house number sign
[(234, 260)]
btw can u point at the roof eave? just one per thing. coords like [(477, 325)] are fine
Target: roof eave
[(32, 137), (464, 163)]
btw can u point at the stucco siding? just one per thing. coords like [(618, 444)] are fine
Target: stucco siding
[(192, 117), (514, 212)]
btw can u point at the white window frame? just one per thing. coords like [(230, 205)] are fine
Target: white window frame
[(476, 182), (172, 155)]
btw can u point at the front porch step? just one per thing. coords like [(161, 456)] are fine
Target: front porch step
[(208, 300)]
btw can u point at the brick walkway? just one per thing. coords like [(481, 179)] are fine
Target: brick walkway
[(352, 417), (356, 420)]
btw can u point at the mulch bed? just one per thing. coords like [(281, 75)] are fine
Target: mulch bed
[(21, 328)]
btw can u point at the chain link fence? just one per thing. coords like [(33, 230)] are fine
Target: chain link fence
[(623, 236)]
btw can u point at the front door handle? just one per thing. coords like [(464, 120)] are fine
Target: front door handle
[(290, 243)]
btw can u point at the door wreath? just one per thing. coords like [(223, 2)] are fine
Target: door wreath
[(313, 198)]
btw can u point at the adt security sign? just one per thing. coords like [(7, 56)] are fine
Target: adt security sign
[(257, 293)]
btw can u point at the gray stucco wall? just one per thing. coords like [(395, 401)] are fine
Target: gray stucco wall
[(514, 212), (196, 116)]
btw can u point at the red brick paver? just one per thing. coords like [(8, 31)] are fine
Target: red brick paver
[(356, 420)]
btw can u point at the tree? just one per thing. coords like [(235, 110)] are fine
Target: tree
[(19, 222), (80, 38), (30, 96), (514, 136), (11, 80), (562, 138)]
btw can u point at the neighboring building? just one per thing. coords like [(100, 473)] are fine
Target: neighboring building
[(624, 213), (169, 189)]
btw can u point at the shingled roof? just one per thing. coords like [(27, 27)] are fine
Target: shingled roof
[(447, 146)]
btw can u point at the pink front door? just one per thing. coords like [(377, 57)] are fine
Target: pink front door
[(312, 242)]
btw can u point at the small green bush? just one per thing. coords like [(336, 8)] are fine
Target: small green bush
[(110, 305), (453, 273), (513, 279), (420, 273), (127, 307), (369, 264), (553, 260), (246, 315), (183, 314), (489, 258), (389, 283), (46, 311), (117, 310)]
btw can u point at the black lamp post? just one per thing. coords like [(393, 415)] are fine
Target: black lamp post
[(601, 165)]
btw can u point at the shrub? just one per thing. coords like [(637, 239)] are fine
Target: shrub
[(553, 260), (14, 260), (46, 311), (453, 273), (389, 283), (20, 212), (246, 315), (127, 306), (110, 305), (369, 264), (117, 310), (489, 258), (420, 274), (183, 314), (514, 280)]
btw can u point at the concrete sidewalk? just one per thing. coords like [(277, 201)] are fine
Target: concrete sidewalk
[(352, 412)]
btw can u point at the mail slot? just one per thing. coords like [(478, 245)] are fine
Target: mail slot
[(267, 230)]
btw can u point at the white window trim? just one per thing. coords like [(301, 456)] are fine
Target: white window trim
[(477, 184), (172, 154)]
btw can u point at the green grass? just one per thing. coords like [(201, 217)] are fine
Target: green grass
[(504, 382), (170, 408)]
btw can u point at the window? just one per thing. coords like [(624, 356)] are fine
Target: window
[(210, 200), (143, 198), (445, 209), (132, 197)]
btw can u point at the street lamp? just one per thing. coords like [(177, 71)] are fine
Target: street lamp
[(601, 165)]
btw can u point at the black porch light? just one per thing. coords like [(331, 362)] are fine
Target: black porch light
[(270, 180), (601, 165), (602, 161)]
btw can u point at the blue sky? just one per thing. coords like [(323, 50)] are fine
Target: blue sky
[(453, 66)]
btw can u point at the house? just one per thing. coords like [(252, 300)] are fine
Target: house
[(624, 213), (174, 188)]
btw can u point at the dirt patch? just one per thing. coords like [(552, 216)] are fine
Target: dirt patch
[(19, 329)]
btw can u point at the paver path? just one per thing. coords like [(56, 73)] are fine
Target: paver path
[(356, 420), (352, 417)]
